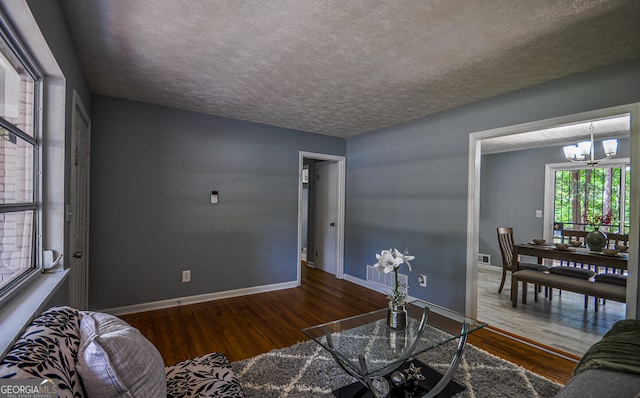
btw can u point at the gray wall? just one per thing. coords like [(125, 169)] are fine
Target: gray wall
[(53, 26), (407, 185), (512, 189), (54, 29), (152, 170)]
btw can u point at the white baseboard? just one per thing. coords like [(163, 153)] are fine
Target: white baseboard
[(176, 302), (371, 286)]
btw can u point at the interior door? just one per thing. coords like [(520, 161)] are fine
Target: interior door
[(79, 207), (326, 216)]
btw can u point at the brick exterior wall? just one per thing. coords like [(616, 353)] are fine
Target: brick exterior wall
[(16, 186)]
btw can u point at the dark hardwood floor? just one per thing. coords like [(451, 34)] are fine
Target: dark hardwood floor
[(246, 326)]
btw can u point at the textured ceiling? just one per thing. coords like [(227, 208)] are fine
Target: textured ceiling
[(341, 67)]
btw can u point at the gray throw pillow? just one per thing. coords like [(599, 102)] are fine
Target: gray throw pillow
[(116, 360)]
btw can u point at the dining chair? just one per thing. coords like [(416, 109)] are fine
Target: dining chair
[(614, 240), (505, 240), (580, 236), (570, 235), (617, 239)]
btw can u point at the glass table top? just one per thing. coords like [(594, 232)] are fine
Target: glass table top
[(367, 345)]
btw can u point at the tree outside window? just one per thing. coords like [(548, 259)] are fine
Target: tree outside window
[(586, 193)]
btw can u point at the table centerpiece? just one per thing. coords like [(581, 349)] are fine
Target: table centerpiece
[(597, 240), (391, 260)]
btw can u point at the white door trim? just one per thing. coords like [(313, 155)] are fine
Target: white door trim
[(341, 161), (473, 196), (79, 279)]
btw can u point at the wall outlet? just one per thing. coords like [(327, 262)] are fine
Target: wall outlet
[(186, 275), (422, 280)]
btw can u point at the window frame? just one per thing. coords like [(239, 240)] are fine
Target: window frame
[(621, 224), (10, 41), (549, 188), (43, 289)]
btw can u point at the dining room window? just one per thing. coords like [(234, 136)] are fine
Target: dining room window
[(19, 161), (583, 193)]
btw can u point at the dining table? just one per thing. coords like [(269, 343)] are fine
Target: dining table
[(578, 255)]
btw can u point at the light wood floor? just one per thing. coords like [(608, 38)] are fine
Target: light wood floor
[(562, 322), (246, 326)]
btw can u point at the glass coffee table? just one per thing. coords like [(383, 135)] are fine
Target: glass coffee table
[(381, 358)]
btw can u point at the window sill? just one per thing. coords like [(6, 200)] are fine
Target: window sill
[(21, 308)]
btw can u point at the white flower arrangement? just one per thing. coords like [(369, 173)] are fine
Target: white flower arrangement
[(391, 260)]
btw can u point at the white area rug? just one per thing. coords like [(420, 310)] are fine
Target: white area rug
[(306, 370)]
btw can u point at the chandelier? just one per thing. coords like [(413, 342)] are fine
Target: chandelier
[(584, 151)]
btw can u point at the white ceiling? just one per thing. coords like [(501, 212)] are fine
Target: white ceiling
[(570, 134), (339, 67)]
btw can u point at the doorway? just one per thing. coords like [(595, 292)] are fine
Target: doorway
[(475, 144), (321, 212)]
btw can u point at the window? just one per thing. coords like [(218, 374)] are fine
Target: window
[(592, 191), (19, 88)]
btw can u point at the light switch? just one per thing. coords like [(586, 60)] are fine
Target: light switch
[(538, 213), (214, 197)]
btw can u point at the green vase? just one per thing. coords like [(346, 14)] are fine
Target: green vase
[(596, 240)]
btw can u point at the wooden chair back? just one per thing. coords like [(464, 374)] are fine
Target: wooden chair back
[(618, 239), (505, 240), (571, 234)]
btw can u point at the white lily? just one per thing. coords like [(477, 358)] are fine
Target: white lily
[(405, 257), (387, 262), (390, 260)]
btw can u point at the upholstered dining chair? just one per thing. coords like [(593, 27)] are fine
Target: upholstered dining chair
[(505, 240)]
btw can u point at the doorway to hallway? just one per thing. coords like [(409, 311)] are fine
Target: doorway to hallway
[(321, 213)]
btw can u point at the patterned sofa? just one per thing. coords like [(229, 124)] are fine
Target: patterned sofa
[(90, 354)]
